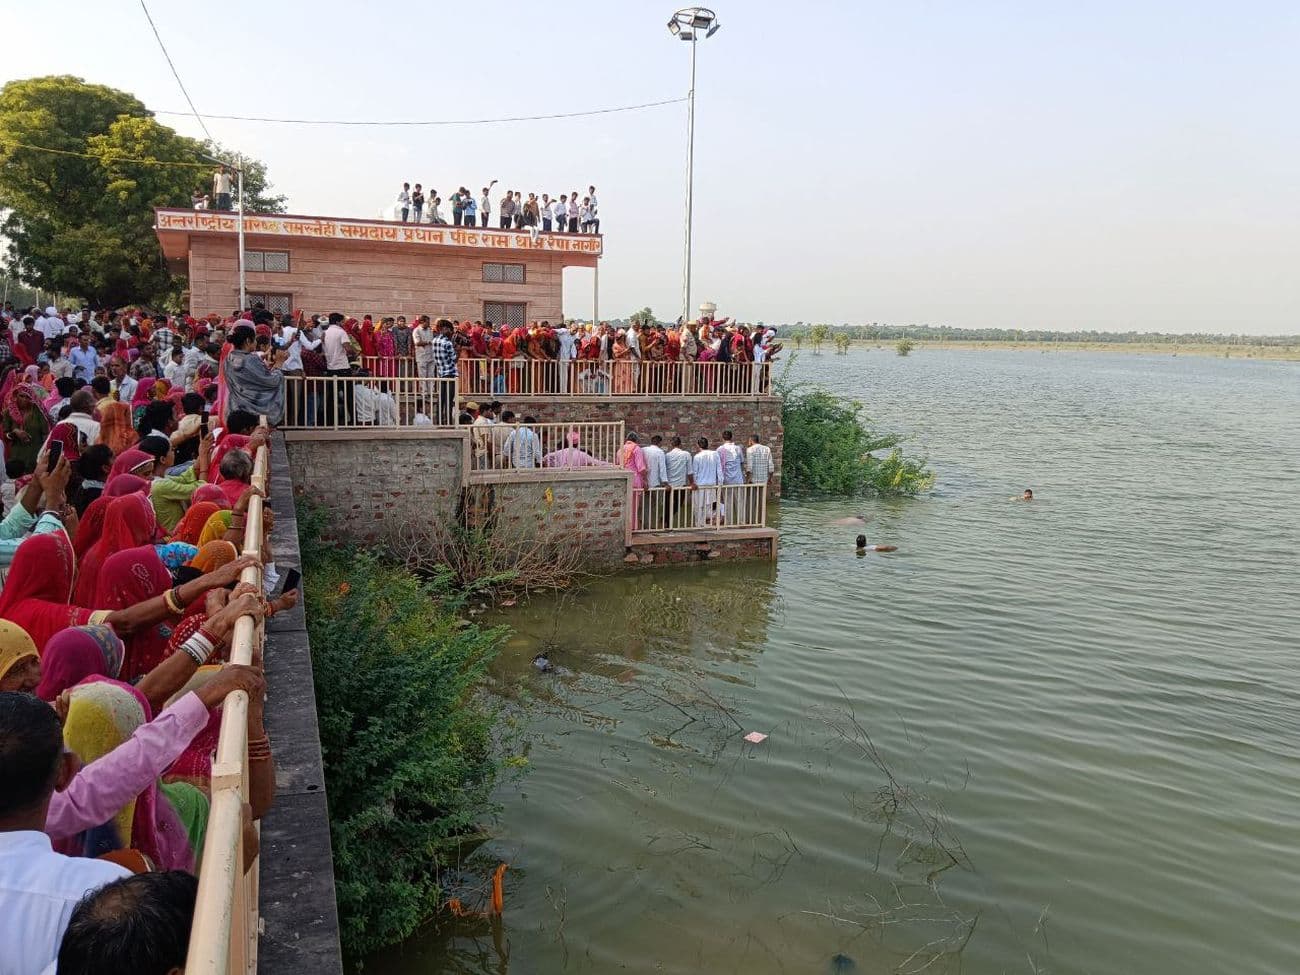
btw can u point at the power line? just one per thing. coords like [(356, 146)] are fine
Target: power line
[(110, 159), (175, 74), (459, 121)]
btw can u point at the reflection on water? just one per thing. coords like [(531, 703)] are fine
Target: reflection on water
[(1056, 736)]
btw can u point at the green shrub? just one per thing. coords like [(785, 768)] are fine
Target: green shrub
[(905, 346), (828, 449), (406, 734)]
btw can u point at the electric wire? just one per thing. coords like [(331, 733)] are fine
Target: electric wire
[(176, 74), (461, 121)]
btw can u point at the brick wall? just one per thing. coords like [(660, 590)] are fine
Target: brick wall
[(587, 509), (327, 276), (369, 483), (672, 417)]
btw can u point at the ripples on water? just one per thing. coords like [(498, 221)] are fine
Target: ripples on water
[(1087, 704)]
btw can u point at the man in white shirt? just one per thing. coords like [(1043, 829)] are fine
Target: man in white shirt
[(38, 888), (706, 474), (677, 468), (404, 202), (174, 370), (568, 352), (122, 383), (561, 211), (82, 417), (522, 446), (422, 337), (335, 349), (655, 497), (51, 325)]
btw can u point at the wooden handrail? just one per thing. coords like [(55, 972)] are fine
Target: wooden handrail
[(223, 938)]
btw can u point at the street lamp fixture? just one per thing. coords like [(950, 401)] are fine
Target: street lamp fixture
[(691, 24), (239, 182)]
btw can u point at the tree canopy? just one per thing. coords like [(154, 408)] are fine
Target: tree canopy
[(79, 220)]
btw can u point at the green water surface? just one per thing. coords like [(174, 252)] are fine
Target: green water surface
[(1053, 737)]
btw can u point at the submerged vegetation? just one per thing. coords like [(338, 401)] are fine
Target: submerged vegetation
[(830, 449), (407, 735)]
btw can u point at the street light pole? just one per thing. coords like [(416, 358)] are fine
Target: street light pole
[(243, 292), (686, 25), (690, 187)]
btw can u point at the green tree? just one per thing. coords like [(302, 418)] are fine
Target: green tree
[(80, 221), (643, 317), (818, 334), (842, 343), (905, 346)]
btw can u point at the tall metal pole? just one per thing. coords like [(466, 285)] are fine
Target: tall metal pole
[(690, 187), (595, 295), (243, 296)]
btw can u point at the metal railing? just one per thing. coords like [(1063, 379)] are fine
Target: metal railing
[(500, 378), (543, 447), (223, 938), (346, 402), (717, 507)]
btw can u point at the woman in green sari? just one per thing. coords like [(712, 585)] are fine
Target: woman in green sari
[(24, 423)]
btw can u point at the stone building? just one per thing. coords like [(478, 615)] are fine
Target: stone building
[(323, 264)]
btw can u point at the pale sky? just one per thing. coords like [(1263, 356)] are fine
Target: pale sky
[(1106, 165)]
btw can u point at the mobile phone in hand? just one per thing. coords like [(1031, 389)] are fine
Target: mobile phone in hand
[(291, 579), (203, 425), (56, 451)]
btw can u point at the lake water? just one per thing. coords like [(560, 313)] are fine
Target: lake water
[(1051, 737)]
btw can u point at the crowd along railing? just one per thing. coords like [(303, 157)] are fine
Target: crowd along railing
[(716, 507), (347, 402), (611, 378), (542, 447), (223, 938)]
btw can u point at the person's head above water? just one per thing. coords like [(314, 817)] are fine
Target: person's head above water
[(861, 541), (1028, 495)]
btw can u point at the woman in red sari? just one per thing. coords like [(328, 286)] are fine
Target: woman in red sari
[(386, 348), (38, 591), (130, 521), (129, 577), (91, 525)]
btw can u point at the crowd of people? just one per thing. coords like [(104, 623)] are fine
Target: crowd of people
[(564, 214), (129, 442), (125, 505)]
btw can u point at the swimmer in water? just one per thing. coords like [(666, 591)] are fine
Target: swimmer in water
[(864, 548), (1027, 496)]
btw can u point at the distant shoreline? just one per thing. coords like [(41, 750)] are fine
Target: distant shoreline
[(1284, 353)]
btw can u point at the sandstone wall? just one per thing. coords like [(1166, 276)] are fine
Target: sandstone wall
[(371, 482), (326, 276)]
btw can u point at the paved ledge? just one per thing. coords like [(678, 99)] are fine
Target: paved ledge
[(298, 908), (710, 536)]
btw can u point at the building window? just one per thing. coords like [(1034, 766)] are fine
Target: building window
[(511, 313), (273, 261), (503, 273), (279, 304)]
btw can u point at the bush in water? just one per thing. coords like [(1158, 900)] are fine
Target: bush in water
[(829, 449), (406, 734)]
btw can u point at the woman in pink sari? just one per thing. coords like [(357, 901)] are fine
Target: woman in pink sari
[(631, 458), (624, 370), (386, 348)]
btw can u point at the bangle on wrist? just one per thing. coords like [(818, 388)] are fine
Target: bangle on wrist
[(172, 597)]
